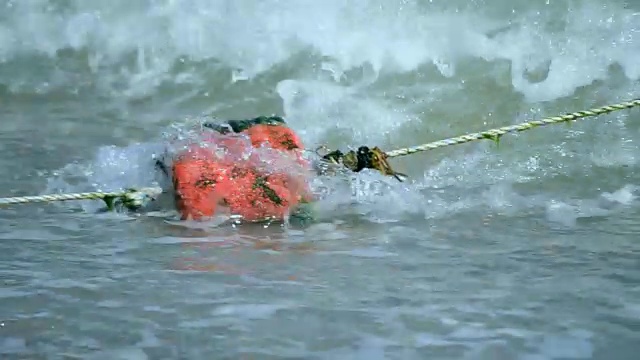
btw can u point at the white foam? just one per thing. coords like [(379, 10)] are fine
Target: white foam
[(624, 196), (567, 212), (320, 109), (579, 42)]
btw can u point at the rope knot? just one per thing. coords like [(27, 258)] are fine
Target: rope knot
[(364, 158), (132, 199)]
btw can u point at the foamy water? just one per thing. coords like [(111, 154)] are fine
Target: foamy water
[(526, 250)]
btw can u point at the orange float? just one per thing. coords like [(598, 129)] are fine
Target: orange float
[(257, 173)]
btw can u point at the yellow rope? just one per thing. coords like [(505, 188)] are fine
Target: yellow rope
[(495, 134), (131, 198)]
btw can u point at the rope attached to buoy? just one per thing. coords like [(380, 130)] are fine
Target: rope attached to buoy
[(495, 134), (130, 198)]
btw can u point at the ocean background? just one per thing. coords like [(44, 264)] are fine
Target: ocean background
[(526, 250)]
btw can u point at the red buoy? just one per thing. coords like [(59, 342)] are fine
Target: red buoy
[(257, 174)]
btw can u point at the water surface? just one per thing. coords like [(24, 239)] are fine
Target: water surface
[(528, 250)]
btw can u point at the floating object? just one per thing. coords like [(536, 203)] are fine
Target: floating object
[(257, 172)]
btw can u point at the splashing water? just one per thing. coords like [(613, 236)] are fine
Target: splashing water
[(523, 250)]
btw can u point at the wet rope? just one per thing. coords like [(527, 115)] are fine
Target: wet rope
[(495, 134), (130, 198)]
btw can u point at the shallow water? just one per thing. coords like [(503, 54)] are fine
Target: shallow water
[(526, 250)]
